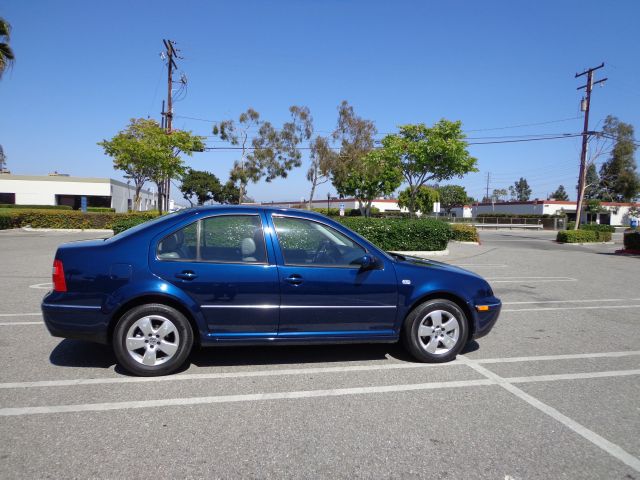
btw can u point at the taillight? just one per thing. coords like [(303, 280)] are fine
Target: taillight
[(59, 283)]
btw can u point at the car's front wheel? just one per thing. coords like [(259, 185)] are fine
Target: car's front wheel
[(151, 340), (436, 331)]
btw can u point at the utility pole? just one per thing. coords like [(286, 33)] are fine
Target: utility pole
[(585, 106), (168, 114), (488, 178)]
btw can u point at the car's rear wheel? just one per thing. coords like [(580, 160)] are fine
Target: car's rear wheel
[(152, 339), (435, 331)]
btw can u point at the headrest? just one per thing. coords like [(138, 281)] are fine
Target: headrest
[(170, 243), (247, 247)]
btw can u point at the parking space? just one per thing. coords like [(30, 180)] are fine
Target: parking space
[(550, 393)]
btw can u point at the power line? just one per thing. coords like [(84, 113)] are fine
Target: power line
[(566, 135), (506, 127)]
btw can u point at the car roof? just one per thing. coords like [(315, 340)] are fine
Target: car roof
[(268, 208)]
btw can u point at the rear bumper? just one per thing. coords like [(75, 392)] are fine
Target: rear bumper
[(485, 320), (78, 322)]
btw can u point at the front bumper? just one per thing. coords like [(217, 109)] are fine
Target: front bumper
[(486, 318)]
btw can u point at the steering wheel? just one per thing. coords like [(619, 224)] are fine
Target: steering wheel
[(327, 253)]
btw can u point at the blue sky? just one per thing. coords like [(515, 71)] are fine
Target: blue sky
[(84, 69)]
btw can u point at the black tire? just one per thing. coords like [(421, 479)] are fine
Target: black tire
[(167, 364), (425, 314)]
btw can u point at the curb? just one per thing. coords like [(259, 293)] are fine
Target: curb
[(424, 254), (69, 230), (464, 243), (585, 243)]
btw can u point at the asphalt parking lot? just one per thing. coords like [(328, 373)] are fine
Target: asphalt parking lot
[(552, 392)]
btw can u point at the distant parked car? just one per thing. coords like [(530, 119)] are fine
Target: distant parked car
[(249, 275)]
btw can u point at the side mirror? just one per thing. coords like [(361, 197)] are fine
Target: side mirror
[(368, 262)]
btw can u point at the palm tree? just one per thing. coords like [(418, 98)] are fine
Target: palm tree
[(6, 54)]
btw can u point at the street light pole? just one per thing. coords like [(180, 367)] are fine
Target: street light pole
[(328, 199)]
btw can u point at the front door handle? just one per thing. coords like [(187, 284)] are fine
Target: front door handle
[(294, 279), (186, 275)]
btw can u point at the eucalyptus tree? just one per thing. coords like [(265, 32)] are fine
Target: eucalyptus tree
[(272, 152), (7, 57)]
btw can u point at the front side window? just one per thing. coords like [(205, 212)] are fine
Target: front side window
[(305, 242)]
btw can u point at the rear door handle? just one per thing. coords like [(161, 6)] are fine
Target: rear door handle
[(294, 279), (186, 275)]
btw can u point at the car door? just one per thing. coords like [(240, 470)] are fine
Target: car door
[(222, 263), (323, 292)]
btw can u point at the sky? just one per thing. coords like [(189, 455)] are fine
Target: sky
[(503, 68)]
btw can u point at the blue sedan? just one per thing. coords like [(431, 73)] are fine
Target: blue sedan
[(244, 275)]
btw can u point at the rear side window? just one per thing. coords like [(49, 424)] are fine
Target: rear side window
[(180, 245), (223, 239), (232, 238)]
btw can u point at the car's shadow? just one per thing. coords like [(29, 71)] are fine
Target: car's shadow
[(76, 353)]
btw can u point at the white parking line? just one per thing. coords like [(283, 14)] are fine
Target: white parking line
[(609, 447), (97, 407), (588, 300), (42, 286), (223, 375), (547, 309), (574, 356), (10, 324), (572, 376), (298, 371), (492, 379), (530, 279), (20, 314), (488, 265)]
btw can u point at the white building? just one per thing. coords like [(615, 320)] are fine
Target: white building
[(382, 204), (615, 213), (64, 190)]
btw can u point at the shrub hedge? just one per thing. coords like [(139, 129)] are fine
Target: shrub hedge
[(464, 233), (36, 207), (100, 209), (401, 234), (577, 236), (67, 219), (5, 222), (632, 239)]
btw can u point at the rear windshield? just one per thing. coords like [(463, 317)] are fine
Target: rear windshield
[(148, 223)]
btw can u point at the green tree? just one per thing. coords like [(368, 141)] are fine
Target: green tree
[(520, 190), (423, 201), (7, 57), (498, 194), (203, 185), (145, 151), (429, 154), (619, 180), (373, 176), (272, 153), (452, 196), (322, 159), (356, 137), (3, 160), (559, 194), (592, 184)]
